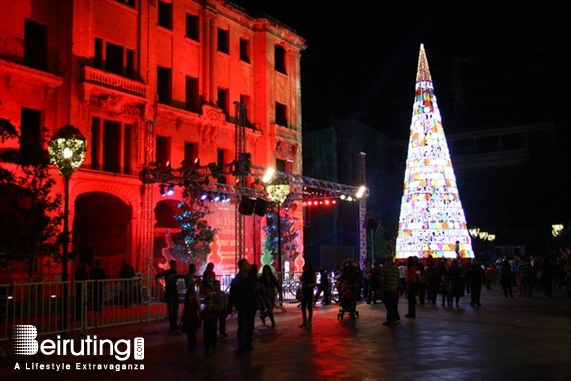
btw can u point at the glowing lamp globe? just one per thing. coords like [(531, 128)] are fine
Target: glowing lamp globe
[(279, 189), (67, 150)]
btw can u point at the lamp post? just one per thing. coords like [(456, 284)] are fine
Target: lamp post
[(474, 233), (278, 190), (67, 150)]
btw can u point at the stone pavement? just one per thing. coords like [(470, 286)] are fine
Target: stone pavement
[(505, 339)]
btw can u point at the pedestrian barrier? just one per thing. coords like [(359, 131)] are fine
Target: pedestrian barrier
[(91, 304)]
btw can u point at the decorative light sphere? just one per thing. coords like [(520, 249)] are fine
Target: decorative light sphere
[(279, 189), (67, 150)]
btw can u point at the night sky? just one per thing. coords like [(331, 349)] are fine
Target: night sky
[(492, 64)]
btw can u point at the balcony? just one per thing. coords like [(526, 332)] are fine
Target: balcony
[(115, 82)]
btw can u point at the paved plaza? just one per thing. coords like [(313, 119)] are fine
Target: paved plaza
[(505, 339)]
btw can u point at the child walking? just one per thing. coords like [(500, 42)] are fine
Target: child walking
[(190, 320), (209, 320), (220, 300)]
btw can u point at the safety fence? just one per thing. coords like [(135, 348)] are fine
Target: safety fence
[(58, 307)]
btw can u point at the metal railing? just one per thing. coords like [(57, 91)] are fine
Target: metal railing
[(94, 304)]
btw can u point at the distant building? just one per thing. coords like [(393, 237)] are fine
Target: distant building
[(332, 153)]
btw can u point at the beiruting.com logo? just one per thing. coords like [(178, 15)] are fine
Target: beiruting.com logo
[(25, 343)]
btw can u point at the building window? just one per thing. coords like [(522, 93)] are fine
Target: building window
[(130, 68), (35, 45), (165, 14), (281, 165), (95, 143), (192, 27), (191, 95), (280, 59), (30, 136), (463, 147), (513, 141), (162, 151), (130, 3), (488, 144), (285, 166), (114, 59), (223, 100), (245, 100), (164, 85), (190, 155), (98, 54), (281, 114), (127, 149), (111, 146), (220, 156), (117, 59), (223, 44), (244, 50)]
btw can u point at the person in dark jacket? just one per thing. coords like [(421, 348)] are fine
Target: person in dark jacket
[(171, 293), (269, 289), (243, 297), (506, 277), (475, 276)]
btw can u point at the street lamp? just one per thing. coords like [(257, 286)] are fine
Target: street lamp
[(475, 234), (67, 150), (556, 229), (278, 190)]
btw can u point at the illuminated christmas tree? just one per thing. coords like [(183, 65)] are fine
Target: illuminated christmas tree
[(431, 219)]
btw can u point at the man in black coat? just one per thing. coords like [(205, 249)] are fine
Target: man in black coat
[(171, 293), (243, 297)]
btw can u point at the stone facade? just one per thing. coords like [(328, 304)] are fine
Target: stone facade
[(149, 81)]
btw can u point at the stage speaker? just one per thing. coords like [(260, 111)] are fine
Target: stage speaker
[(373, 224), (247, 205), (86, 255), (261, 206)]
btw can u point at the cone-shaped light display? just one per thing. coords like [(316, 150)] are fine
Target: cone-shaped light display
[(431, 219)]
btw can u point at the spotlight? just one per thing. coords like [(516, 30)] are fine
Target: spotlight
[(217, 197), (203, 196), (162, 189), (170, 190)]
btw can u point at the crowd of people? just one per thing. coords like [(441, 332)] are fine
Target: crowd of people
[(420, 280)]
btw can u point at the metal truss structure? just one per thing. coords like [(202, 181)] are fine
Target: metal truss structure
[(212, 178)]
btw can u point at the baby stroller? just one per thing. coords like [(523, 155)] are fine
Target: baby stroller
[(347, 302)]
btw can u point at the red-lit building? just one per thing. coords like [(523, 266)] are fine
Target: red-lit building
[(150, 81)]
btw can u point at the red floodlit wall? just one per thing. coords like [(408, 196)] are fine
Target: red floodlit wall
[(149, 81)]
